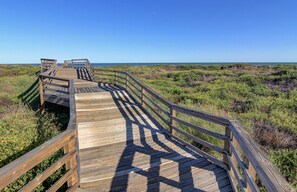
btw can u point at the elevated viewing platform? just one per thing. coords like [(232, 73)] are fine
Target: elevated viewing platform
[(123, 136)]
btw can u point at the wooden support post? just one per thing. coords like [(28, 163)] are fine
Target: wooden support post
[(233, 158), (41, 95), (70, 146), (172, 122), (68, 89), (41, 68), (227, 147), (252, 173)]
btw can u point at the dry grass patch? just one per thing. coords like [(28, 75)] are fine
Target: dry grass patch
[(270, 136)]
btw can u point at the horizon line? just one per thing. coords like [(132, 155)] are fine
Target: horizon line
[(198, 62)]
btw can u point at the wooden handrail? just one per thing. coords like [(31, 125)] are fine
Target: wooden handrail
[(47, 63), (236, 138), (18, 167), (266, 171)]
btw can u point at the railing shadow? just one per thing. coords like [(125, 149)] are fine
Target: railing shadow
[(31, 96), (183, 180), (83, 73)]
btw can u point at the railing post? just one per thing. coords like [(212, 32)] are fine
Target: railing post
[(116, 78), (70, 146), (41, 95), (142, 96), (172, 121), (252, 173), (227, 147), (127, 78)]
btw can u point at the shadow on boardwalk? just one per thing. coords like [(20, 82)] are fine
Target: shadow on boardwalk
[(183, 180)]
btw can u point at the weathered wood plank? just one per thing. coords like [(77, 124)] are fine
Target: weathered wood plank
[(237, 175), (249, 180), (63, 179), (54, 84)]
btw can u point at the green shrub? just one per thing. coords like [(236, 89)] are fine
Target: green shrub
[(19, 133), (21, 129), (286, 161)]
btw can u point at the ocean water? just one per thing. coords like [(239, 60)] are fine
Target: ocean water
[(198, 63)]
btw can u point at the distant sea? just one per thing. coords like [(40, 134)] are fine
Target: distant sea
[(209, 63), (179, 63)]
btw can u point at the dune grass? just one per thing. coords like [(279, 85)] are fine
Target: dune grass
[(21, 127)]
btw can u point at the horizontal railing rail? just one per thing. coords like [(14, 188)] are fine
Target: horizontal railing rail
[(243, 158), (20, 166), (67, 141)]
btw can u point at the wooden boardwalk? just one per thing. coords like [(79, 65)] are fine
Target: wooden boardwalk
[(129, 138), (121, 148)]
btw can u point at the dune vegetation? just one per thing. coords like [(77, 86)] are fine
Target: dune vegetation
[(262, 98), (22, 128)]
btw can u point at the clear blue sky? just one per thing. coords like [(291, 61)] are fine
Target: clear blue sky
[(148, 30)]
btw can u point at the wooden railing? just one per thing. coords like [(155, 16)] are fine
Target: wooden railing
[(47, 64), (247, 165), (67, 141), (80, 63), (68, 64)]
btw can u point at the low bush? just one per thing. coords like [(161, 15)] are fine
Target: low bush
[(286, 161), (21, 128)]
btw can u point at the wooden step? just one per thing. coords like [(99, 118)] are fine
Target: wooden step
[(101, 95), (132, 113), (141, 153)]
